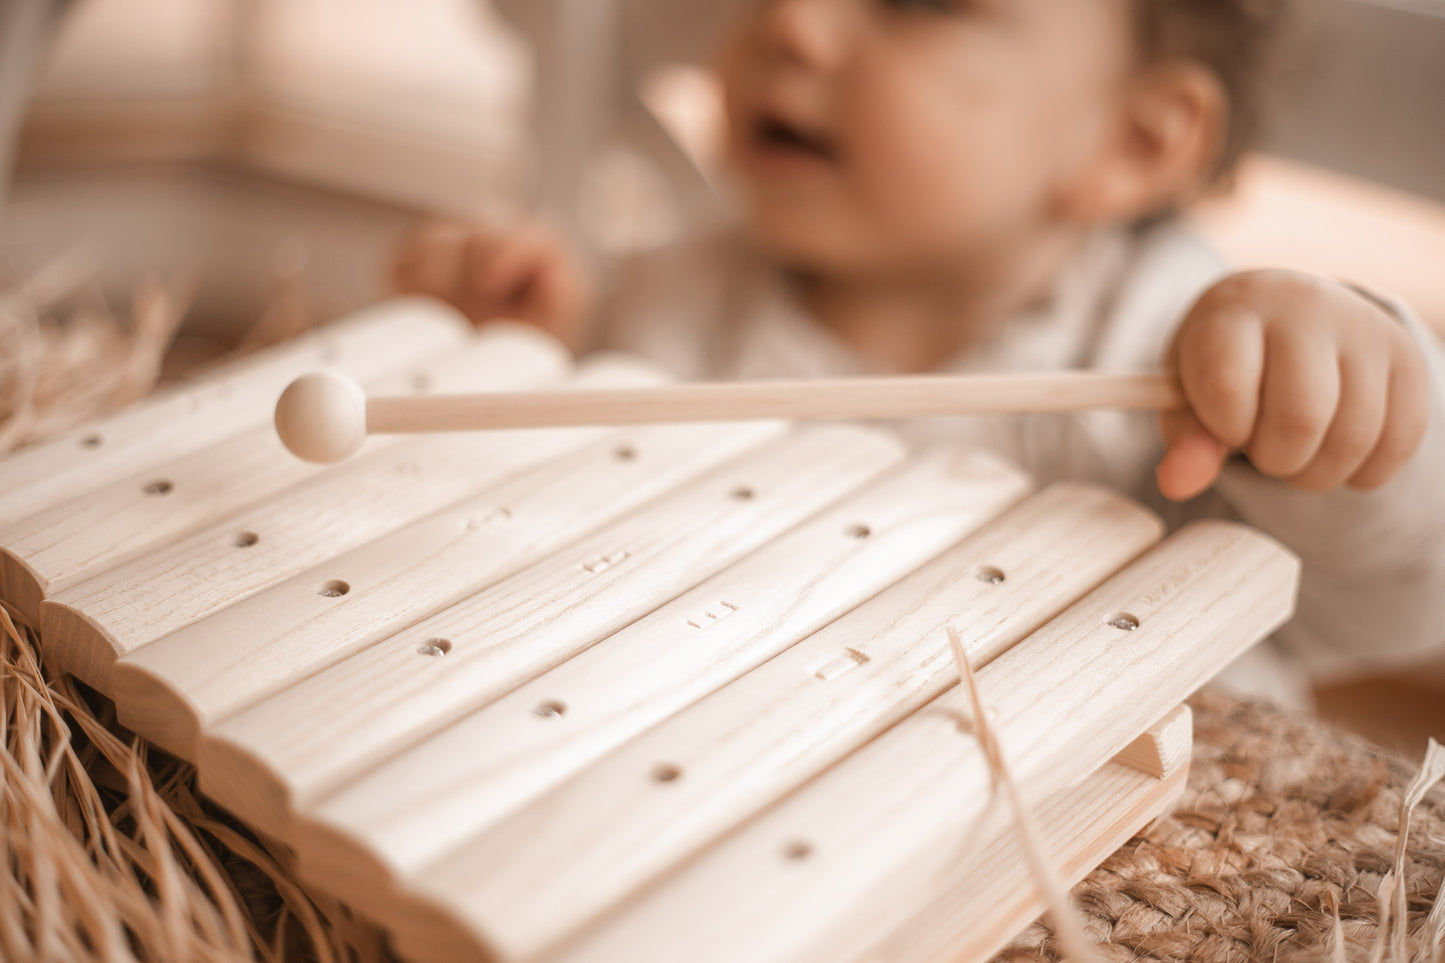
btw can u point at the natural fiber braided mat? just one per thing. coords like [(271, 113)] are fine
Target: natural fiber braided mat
[(1286, 825)]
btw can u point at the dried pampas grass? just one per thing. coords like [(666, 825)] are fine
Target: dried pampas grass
[(111, 856), (66, 358)]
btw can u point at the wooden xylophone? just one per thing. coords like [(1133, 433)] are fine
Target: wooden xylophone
[(590, 694)]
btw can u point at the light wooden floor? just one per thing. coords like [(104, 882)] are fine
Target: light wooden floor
[(1394, 712)]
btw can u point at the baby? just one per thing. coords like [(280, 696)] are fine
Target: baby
[(928, 185)]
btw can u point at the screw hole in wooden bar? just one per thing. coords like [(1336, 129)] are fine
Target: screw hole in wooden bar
[(666, 772), (435, 648), (625, 453), (603, 562), (551, 709), (421, 382), (477, 522), (743, 493), (859, 532), (159, 487), (1124, 622), (797, 851), (847, 662), (91, 441), (333, 589), (245, 539), (989, 574)]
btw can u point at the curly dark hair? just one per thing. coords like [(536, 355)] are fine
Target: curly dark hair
[(1234, 39)]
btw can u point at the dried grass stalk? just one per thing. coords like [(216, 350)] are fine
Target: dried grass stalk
[(1068, 924), (66, 358), (111, 856), (1429, 940)]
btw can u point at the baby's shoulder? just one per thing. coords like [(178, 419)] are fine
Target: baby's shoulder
[(1169, 262), (1159, 273)]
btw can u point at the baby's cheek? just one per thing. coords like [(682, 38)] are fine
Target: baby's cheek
[(995, 157), (935, 152), (955, 192)]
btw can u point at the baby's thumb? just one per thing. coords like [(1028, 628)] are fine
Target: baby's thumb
[(1193, 459), (503, 270)]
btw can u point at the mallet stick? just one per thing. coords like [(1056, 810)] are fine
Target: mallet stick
[(325, 417)]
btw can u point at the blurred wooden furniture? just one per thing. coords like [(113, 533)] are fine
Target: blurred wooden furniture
[(1286, 214), (386, 111)]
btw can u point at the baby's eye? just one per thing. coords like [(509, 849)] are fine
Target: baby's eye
[(935, 6)]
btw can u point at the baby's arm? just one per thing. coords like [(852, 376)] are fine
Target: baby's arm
[(1339, 406), (525, 275)]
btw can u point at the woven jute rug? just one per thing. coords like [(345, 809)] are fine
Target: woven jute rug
[(1287, 826)]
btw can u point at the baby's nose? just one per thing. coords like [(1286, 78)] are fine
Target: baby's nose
[(808, 33)]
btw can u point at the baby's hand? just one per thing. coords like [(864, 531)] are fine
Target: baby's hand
[(1316, 384), (524, 276)]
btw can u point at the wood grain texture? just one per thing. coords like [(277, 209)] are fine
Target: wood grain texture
[(576, 851), (87, 627), (146, 510), (233, 398), (897, 396), (288, 749), (401, 815), (862, 847), (218, 666), (1163, 747)]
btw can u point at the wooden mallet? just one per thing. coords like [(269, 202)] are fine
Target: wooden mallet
[(325, 417)]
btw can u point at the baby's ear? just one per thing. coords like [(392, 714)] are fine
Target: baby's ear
[(1161, 151)]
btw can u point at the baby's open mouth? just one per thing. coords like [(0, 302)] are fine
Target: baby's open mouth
[(775, 135)]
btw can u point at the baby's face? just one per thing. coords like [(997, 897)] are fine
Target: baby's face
[(893, 136)]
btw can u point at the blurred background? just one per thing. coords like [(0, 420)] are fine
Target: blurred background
[(275, 148), (223, 173)]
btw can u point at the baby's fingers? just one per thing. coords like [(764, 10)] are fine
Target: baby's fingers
[(1299, 395), (1193, 459), (1219, 354), (1407, 406), (430, 260), (504, 267), (1356, 429), (529, 276)]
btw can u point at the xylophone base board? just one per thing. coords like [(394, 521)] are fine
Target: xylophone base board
[(993, 897)]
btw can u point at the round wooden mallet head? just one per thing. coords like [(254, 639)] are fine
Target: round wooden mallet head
[(321, 417)]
